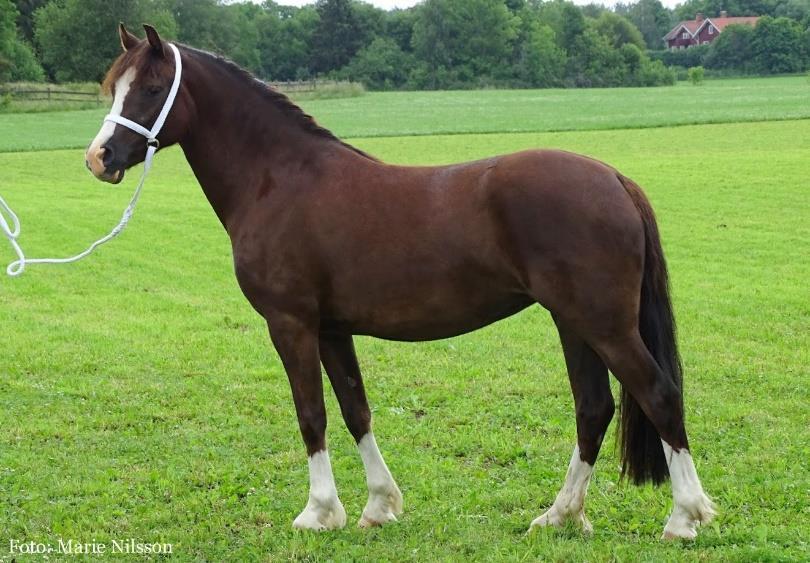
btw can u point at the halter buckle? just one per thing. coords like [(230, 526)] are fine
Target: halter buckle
[(153, 143)]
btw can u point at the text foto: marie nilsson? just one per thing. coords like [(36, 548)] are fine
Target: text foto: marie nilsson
[(69, 547)]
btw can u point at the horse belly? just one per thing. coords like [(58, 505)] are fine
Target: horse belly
[(437, 309)]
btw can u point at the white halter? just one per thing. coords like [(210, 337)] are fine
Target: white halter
[(16, 267)]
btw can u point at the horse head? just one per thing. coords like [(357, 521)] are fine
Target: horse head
[(140, 81)]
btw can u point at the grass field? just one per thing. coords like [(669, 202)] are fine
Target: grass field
[(392, 114), (140, 396)]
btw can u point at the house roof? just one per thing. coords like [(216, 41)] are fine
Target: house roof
[(694, 26), (689, 25)]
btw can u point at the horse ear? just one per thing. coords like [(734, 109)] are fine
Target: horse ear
[(154, 40), (128, 41)]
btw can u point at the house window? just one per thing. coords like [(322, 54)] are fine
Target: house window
[(685, 35), (706, 42), (711, 30)]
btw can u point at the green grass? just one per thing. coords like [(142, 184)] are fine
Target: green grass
[(381, 114), (141, 398)]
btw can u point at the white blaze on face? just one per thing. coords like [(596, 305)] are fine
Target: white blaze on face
[(95, 154)]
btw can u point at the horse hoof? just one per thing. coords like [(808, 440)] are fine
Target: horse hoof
[(685, 519), (367, 521), (320, 518), (381, 508), (557, 520), (681, 534)]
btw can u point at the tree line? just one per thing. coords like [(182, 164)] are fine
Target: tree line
[(438, 44)]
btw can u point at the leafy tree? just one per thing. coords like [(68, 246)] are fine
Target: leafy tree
[(542, 63), (633, 58), (593, 10), (463, 38), (618, 30), (798, 10), (565, 19), (285, 37), (594, 61), (651, 18), (731, 49), (17, 60), (380, 66), (223, 29), (654, 73), (777, 46), (437, 44), (25, 19), (74, 48), (399, 27), (339, 35), (371, 20), (690, 8)]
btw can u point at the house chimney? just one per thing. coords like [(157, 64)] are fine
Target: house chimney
[(723, 14), (699, 17)]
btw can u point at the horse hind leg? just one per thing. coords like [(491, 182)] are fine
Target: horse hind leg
[(594, 410), (658, 398)]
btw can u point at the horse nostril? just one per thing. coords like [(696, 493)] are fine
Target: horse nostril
[(108, 157)]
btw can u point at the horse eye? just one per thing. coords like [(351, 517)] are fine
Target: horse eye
[(154, 90)]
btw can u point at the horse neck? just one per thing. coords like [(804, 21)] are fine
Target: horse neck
[(239, 139)]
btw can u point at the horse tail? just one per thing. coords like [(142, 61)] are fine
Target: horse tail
[(642, 453)]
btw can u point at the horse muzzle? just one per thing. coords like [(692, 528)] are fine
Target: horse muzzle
[(101, 162)]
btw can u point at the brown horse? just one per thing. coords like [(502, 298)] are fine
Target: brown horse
[(328, 242)]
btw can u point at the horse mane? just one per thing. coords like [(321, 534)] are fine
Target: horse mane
[(281, 101)]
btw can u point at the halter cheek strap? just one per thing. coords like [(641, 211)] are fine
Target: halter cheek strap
[(11, 229)]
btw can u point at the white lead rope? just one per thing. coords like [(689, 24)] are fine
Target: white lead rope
[(17, 267), (12, 228)]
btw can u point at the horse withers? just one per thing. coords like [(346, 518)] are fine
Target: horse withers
[(329, 242)]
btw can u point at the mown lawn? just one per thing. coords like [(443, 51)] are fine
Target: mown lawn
[(140, 397), (391, 114)]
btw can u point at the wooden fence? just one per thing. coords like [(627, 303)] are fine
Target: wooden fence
[(51, 95), (303, 85)]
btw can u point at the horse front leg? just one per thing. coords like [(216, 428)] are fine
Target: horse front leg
[(340, 361), (297, 344), (594, 410)]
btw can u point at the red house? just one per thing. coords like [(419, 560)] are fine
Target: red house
[(702, 31)]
